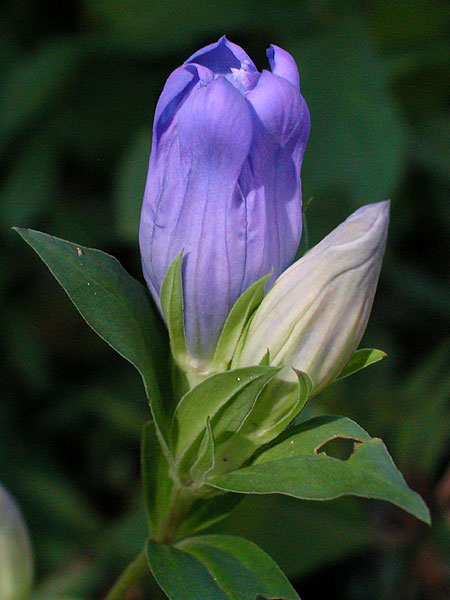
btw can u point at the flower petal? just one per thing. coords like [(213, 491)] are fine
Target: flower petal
[(281, 110), (222, 56), (270, 180), (314, 316), (283, 65), (175, 91), (194, 209)]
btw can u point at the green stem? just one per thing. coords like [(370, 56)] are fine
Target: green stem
[(137, 568), (179, 505)]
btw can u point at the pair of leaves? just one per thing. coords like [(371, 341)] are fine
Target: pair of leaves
[(217, 567), (228, 568)]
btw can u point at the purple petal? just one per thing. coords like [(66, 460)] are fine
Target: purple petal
[(283, 65), (222, 56), (188, 205), (280, 109), (270, 181), (175, 91)]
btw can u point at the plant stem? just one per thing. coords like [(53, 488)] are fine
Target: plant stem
[(179, 505), (134, 571)]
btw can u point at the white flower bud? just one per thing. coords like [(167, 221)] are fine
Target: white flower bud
[(16, 564), (315, 315)]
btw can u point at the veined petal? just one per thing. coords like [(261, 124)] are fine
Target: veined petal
[(215, 128), (316, 313), (283, 65), (195, 209), (175, 91), (270, 180), (222, 56), (215, 132), (281, 110)]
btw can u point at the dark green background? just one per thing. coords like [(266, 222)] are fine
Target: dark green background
[(79, 82)]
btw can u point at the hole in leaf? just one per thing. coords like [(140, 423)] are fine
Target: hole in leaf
[(338, 447)]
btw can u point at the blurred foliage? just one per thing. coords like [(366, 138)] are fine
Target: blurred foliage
[(79, 83)]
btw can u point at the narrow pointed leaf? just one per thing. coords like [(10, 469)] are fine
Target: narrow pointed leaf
[(298, 467), (217, 567), (265, 361), (270, 416), (172, 307), (236, 321), (360, 360), (205, 458), (265, 419), (112, 302)]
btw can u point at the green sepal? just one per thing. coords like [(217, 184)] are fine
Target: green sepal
[(115, 305), (172, 306), (224, 398), (276, 407), (266, 419), (297, 466), (205, 457), (236, 321), (360, 360), (265, 361), (216, 567)]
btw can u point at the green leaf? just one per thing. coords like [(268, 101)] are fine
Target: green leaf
[(308, 437), (236, 390), (172, 307), (270, 414), (216, 567), (265, 361), (113, 303), (296, 467), (360, 360), (236, 321), (276, 407)]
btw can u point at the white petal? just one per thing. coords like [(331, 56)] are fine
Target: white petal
[(317, 311)]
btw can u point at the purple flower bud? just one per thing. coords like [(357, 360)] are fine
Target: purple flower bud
[(223, 184)]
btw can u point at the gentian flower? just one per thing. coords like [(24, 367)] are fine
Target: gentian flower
[(315, 315), (223, 183)]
